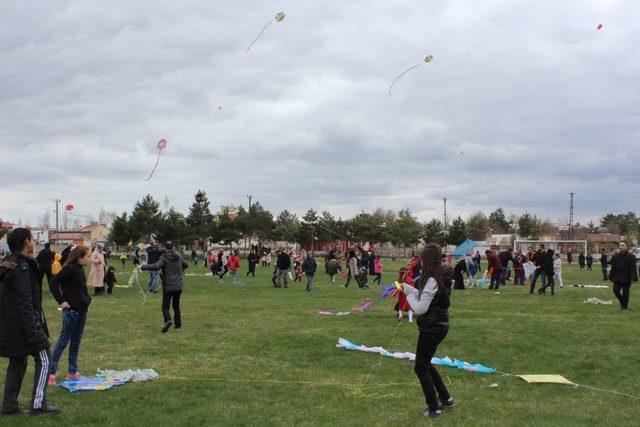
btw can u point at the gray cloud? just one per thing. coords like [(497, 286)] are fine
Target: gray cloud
[(507, 114)]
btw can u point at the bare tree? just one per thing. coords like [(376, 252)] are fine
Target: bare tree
[(45, 221), (66, 221)]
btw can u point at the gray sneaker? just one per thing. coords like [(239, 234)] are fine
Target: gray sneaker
[(428, 413)]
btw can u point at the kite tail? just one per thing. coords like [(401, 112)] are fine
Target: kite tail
[(154, 167), (583, 37), (259, 35), (400, 75)]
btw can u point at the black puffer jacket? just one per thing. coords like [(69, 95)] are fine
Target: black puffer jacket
[(23, 328), (623, 268), (437, 317), (171, 264)]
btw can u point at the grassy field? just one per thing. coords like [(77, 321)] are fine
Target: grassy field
[(255, 355)]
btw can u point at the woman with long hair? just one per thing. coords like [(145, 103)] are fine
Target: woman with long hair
[(69, 288), (430, 301)]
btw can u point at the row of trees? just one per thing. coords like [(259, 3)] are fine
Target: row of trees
[(202, 226), (400, 228)]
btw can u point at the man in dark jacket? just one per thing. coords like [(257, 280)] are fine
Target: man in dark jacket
[(505, 257), (604, 264), (153, 256), (171, 264), (23, 328), (45, 259), (538, 260), (283, 264), (623, 273)]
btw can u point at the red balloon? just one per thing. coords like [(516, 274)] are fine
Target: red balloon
[(69, 207), (162, 144), (599, 27)]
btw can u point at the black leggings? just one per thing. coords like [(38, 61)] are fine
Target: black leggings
[(378, 278), (171, 298), (427, 374)]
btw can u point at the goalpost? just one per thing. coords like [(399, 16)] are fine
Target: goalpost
[(559, 246)]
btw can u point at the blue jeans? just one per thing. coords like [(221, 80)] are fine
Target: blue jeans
[(72, 328), (154, 276)]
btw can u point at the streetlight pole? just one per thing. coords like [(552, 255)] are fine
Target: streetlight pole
[(57, 202)]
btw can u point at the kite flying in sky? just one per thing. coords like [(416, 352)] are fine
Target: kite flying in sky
[(427, 59), (279, 18), (589, 34), (162, 144)]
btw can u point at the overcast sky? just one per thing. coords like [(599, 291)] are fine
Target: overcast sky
[(507, 114)]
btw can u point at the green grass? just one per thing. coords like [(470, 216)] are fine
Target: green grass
[(255, 355)]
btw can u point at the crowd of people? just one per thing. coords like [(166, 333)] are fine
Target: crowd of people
[(423, 289)]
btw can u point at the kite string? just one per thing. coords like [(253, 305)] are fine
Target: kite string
[(358, 389), (155, 166), (584, 386), (259, 35), (583, 37), (402, 74)]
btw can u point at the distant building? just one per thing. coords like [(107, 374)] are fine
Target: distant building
[(606, 241), (99, 232), (85, 236)]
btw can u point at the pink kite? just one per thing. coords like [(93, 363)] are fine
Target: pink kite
[(598, 27), (161, 145)]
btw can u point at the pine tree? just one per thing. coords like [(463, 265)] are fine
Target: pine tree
[(145, 219), (200, 220)]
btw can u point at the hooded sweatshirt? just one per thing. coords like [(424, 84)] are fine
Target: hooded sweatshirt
[(171, 264), (56, 266)]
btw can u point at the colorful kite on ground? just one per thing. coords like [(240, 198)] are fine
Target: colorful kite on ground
[(589, 34), (279, 18), (427, 59), (366, 305), (161, 145), (333, 313), (446, 361), (108, 379)]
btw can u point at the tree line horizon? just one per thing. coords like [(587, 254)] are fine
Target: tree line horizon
[(400, 228)]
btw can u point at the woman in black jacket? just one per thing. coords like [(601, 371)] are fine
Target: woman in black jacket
[(430, 301), (69, 288)]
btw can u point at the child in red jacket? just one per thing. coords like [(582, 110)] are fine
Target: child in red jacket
[(234, 265), (408, 278)]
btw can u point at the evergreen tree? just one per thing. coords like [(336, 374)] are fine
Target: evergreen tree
[(499, 223), (173, 227), (120, 232), (478, 226), (457, 231), (145, 219), (200, 219), (434, 232), (259, 222), (287, 226), (227, 229), (326, 227), (405, 230), (529, 226), (307, 231)]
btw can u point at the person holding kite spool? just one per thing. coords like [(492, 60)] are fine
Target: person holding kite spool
[(430, 301), (171, 264)]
